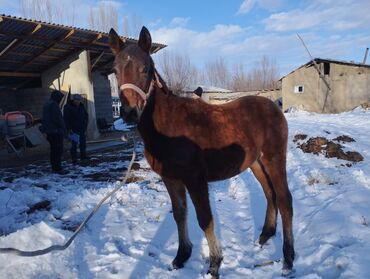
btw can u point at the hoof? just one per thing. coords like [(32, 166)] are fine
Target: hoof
[(214, 266), (288, 273), (287, 270), (263, 239), (213, 273), (266, 235), (177, 265), (182, 256)]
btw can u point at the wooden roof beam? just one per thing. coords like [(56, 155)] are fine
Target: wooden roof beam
[(19, 74), (76, 49), (97, 59), (17, 41), (8, 47), (60, 39)]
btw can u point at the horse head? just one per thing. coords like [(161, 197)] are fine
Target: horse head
[(135, 72)]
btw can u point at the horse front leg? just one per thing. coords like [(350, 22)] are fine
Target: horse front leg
[(177, 194), (198, 191)]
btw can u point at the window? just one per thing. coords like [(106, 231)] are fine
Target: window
[(326, 68), (299, 89)]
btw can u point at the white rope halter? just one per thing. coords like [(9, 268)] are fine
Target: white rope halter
[(144, 95)]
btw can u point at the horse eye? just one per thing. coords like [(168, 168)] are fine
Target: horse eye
[(145, 69)]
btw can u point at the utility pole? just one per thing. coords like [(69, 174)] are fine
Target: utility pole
[(320, 73), (365, 57)]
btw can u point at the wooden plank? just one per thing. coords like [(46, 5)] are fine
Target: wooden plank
[(18, 41), (19, 74), (8, 47), (38, 26), (60, 39), (70, 33), (97, 59)]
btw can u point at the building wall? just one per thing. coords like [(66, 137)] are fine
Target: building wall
[(350, 87), (75, 71), (220, 98), (32, 100), (102, 96), (8, 100), (310, 99)]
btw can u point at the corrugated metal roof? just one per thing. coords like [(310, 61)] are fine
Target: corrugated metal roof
[(31, 46)]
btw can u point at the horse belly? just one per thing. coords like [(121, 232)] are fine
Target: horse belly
[(225, 162)]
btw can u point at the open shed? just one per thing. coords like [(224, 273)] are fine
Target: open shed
[(37, 57)]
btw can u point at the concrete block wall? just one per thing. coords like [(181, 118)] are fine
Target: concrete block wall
[(102, 96), (8, 100), (32, 100)]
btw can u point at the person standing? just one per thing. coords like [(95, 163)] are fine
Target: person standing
[(54, 128), (76, 120)]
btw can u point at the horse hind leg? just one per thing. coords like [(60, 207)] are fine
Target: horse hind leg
[(269, 227), (200, 197), (177, 194), (276, 170)]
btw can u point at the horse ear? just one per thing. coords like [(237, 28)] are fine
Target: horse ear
[(115, 42), (145, 40)]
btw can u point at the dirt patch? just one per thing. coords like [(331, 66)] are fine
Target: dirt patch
[(69, 226), (365, 106), (43, 205), (135, 166), (8, 179), (134, 178), (330, 149), (344, 138), (299, 137), (101, 176), (44, 186)]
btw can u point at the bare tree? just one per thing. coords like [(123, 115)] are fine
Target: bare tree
[(217, 73), (240, 79), (104, 17), (177, 70), (263, 75), (131, 26), (62, 12)]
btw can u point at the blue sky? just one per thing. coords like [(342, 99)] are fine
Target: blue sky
[(243, 31)]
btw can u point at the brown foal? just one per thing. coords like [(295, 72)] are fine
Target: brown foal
[(190, 143)]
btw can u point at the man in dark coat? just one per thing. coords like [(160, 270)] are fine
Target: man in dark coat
[(76, 120), (54, 128)]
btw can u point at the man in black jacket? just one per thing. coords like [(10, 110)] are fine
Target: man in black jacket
[(54, 128), (76, 120)]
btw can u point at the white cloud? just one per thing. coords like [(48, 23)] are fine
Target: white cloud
[(179, 21), (155, 23), (183, 37), (246, 6), (324, 15), (236, 45), (271, 5)]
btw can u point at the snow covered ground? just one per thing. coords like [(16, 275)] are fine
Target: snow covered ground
[(134, 235)]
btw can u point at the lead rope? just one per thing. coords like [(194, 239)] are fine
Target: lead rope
[(21, 253)]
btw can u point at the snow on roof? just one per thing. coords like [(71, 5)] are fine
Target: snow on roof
[(206, 89)]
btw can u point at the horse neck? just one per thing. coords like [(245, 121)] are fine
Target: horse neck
[(158, 105), (165, 88)]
